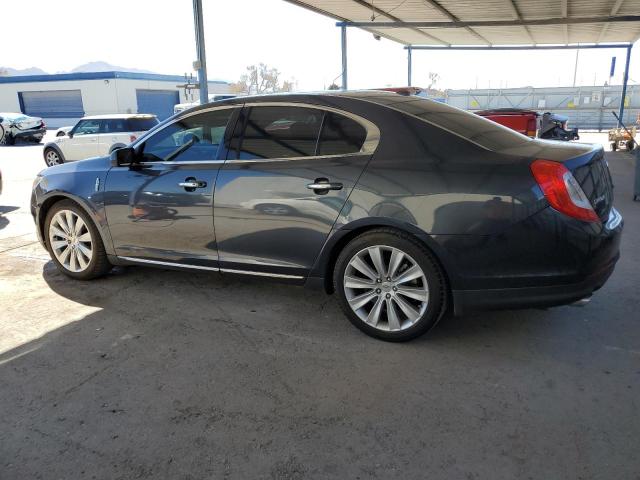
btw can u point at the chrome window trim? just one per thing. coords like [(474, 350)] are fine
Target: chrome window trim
[(371, 141), (192, 162)]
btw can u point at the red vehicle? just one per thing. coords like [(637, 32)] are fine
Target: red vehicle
[(526, 122)]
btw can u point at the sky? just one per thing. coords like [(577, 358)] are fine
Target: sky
[(305, 46)]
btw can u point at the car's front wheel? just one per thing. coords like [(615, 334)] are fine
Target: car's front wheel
[(74, 243), (52, 157), (389, 285)]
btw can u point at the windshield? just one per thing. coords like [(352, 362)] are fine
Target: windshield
[(479, 130)]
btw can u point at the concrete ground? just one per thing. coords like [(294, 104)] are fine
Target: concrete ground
[(170, 375)]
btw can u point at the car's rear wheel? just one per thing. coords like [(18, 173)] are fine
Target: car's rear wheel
[(52, 157), (389, 285), (74, 243)]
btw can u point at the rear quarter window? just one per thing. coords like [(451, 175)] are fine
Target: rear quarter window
[(340, 135), (474, 128), (141, 124)]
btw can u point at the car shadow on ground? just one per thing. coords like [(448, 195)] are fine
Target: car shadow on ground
[(170, 371), (160, 374), (4, 209), (155, 373)]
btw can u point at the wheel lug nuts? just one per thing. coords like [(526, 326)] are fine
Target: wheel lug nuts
[(388, 295), (378, 281), (378, 290), (395, 289)]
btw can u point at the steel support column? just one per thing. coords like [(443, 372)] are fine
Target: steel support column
[(625, 80), (409, 66), (200, 52), (343, 31)]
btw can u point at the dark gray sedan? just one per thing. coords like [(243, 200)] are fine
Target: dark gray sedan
[(405, 208)]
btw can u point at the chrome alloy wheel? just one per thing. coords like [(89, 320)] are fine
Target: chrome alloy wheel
[(70, 241), (386, 288), (52, 158)]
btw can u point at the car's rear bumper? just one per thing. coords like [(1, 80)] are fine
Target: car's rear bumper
[(597, 269), (465, 301), (33, 133)]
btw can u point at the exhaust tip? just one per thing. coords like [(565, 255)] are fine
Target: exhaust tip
[(582, 302)]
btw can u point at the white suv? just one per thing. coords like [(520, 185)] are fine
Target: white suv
[(97, 136)]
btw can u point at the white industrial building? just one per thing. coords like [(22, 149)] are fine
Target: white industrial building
[(63, 98)]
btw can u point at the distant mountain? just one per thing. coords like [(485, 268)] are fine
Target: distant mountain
[(86, 68), (105, 67), (12, 72)]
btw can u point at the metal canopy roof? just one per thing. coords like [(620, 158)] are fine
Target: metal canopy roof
[(449, 23)]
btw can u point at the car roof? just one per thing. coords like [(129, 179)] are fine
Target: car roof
[(118, 116), (301, 97)]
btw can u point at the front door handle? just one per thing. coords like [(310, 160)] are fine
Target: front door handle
[(323, 185), (190, 184)]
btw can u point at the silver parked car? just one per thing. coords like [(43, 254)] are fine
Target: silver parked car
[(15, 126)]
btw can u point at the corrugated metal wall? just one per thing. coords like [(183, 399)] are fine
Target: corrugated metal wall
[(588, 108)]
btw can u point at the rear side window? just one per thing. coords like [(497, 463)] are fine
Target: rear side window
[(115, 125), (279, 132), (141, 124), (340, 135)]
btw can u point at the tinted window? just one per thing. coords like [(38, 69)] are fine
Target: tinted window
[(114, 125), (141, 124), (195, 138), (280, 132), (479, 130), (87, 127), (340, 135)]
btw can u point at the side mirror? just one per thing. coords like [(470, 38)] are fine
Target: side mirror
[(70, 134), (125, 156)]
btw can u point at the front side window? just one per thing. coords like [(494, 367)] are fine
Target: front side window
[(194, 138), (279, 132), (87, 127)]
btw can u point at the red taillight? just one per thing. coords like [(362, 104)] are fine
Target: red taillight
[(132, 138), (562, 190)]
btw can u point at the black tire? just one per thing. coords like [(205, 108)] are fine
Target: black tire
[(10, 139), (614, 146), (420, 254), (630, 145), (99, 264), (50, 154)]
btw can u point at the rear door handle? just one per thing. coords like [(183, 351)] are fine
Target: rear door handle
[(323, 185)]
